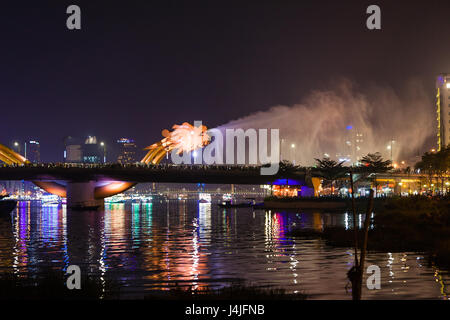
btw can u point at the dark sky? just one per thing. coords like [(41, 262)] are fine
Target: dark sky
[(137, 67)]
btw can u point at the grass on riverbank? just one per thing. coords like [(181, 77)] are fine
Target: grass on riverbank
[(342, 202), (401, 224), (234, 292), (52, 286)]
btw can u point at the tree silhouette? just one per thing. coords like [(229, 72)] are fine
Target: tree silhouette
[(330, 170), (374, 163), (435, 164)]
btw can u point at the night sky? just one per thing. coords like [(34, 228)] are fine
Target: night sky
[(137, 67)]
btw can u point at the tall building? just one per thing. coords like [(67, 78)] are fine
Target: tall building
[(92, 151), (88, 152), (351, 150), (127, 151), (33, 151), (73, 152), (443, 110)]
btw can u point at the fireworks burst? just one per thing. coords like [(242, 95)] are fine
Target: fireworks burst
[(183, 138)]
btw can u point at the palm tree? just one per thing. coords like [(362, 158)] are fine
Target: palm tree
[(330, 171), (435, 165), (373, 163)]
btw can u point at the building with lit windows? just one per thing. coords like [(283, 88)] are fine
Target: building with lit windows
[(33, 151), (351, 151), (92, 151), (127, 151), (73, 152), (443, 110), (88, 152)]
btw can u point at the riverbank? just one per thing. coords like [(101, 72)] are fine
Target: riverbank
[(52, 285), (400, 224), (319, 203)]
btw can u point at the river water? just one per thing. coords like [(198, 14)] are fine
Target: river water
[(182, 242)]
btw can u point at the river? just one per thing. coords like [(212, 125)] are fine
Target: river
[(182, 242)]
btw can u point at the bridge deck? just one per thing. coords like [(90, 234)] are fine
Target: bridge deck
[(159, 173)]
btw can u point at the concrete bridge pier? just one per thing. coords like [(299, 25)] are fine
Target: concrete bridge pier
[(80, 195)]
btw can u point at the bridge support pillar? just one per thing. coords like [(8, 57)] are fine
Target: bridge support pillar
[(80, 195)]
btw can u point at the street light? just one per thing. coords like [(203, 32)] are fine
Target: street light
[(293, 147), (104, 151), (390, 147), (281, 150), (17, 146)]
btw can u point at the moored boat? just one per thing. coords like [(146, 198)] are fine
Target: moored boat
[(7, 206), (228, 204)]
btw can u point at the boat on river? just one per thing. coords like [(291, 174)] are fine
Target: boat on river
[(233, 204), (6, 206)]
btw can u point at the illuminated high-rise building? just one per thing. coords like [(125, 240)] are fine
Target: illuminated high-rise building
[(73, 152), (443, 110), (88, 152), (92, 151), (33, 151), (127, 151), (351, 150)]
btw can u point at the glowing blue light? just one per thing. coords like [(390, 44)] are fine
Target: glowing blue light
[(349, 127)]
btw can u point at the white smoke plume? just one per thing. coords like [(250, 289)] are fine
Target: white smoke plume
[(326, 123)]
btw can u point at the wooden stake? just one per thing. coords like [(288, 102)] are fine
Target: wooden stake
[(354, 273), (364, 244)]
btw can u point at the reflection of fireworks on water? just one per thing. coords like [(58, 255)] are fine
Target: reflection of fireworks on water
[(183, 138)]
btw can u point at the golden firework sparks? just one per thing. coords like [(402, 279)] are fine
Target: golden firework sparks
[(183, 138)]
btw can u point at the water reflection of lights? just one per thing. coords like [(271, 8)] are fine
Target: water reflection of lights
[(293, 264), (317, 222), (346, 221), (404, 266), (101, 260), (442, 286), (201, 233), (21, 237), (187, 255), (135, 224), (204, 221), (390, 267), (50, 229), (49, 220), (274, 226), (195, 254), (115, 231)]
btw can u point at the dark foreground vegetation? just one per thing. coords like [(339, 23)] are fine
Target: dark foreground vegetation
[(236, 292), (52, 285), (416, 223), (335, 203)]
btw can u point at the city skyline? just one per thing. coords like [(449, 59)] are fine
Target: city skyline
[(162, 64), (245, 154)]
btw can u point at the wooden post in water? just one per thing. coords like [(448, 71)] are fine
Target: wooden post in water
[(355, 271), (364, 244), (355, 226)]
